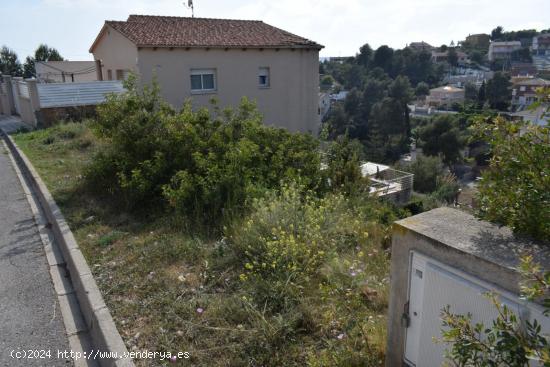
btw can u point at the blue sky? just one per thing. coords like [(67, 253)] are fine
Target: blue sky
[(341, 25)]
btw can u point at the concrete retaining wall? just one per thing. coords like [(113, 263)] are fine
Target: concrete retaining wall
[(459, 240)]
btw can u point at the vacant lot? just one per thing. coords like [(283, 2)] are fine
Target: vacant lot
[(235, 296)]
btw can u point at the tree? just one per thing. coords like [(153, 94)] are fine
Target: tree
[(365, 55), (326, 82), (400, 90), (45, 53), (522, 55), (476, 57), (515, 190), (498, 91), (9, 62), (42, 53), (422, 89), (344, 165), (426, 170), (470, 92), (383, 58), (497, 33), (452, 57), (442, 137), (481, 97), (387, 131)]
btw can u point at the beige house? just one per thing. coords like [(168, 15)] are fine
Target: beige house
[(445, 96), (201, 58), (65, 71)]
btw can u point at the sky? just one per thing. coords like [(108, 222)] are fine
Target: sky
[(342, 26)]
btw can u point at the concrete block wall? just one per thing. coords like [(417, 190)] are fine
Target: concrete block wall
[(10, 96), (456, 239), (6, 95)]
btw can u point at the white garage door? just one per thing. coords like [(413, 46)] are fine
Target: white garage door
[(432, 287)]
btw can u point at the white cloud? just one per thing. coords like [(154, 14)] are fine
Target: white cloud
[(342, 26)]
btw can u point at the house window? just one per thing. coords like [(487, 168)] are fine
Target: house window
[(522, 89), (203, 80), (263, 78), (109, 74), (122, 74)]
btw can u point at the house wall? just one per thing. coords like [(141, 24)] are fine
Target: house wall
[(291, 101), (116, 52)]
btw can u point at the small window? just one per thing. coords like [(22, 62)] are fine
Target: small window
[(203, 80), (522, 89), (109, 74), (122, 74), (263, 78)]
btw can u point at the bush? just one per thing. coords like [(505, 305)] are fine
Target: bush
[(318, 264), (447, 189), (443, 136), (289, 237), (426, 170), (515, 189), (205, 164), (343, 161)]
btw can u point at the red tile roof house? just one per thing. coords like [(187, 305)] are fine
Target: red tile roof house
[(201, 58)]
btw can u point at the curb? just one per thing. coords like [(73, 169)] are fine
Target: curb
[(97, 318)]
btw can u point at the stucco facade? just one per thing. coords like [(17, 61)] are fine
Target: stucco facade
[(115, 52), (290, 100)]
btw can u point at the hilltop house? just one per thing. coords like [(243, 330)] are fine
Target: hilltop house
[(201, 58), (420, 46), (524, 91), (480, 41), (541, 52), (439, 57), (503, 50), (445, 96)]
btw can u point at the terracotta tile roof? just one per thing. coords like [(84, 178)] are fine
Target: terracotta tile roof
[(163, 31)]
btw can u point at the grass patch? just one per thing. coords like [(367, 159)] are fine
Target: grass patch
[(172, 287)]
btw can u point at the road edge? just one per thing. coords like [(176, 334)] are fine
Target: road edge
[(96, 316)]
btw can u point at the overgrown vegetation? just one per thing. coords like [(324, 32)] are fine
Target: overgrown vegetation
[(515, 190), (204, 164), (288, 267)]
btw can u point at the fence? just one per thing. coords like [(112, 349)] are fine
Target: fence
[(41, 104), (393, 185)]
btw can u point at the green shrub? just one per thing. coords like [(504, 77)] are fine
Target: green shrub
[(515, 189), (447, 189), (204, 164), (343, 161), (289, 236), (426, 170), (313, 269)]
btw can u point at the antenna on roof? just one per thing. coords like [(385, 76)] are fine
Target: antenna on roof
[(190, 6)]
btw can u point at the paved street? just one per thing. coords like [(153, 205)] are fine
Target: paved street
[(11, 124), (30, 318)]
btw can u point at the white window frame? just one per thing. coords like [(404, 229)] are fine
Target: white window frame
[(264, 71), (202, 72)]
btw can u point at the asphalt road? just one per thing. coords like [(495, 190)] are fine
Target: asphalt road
[(30, 319)]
